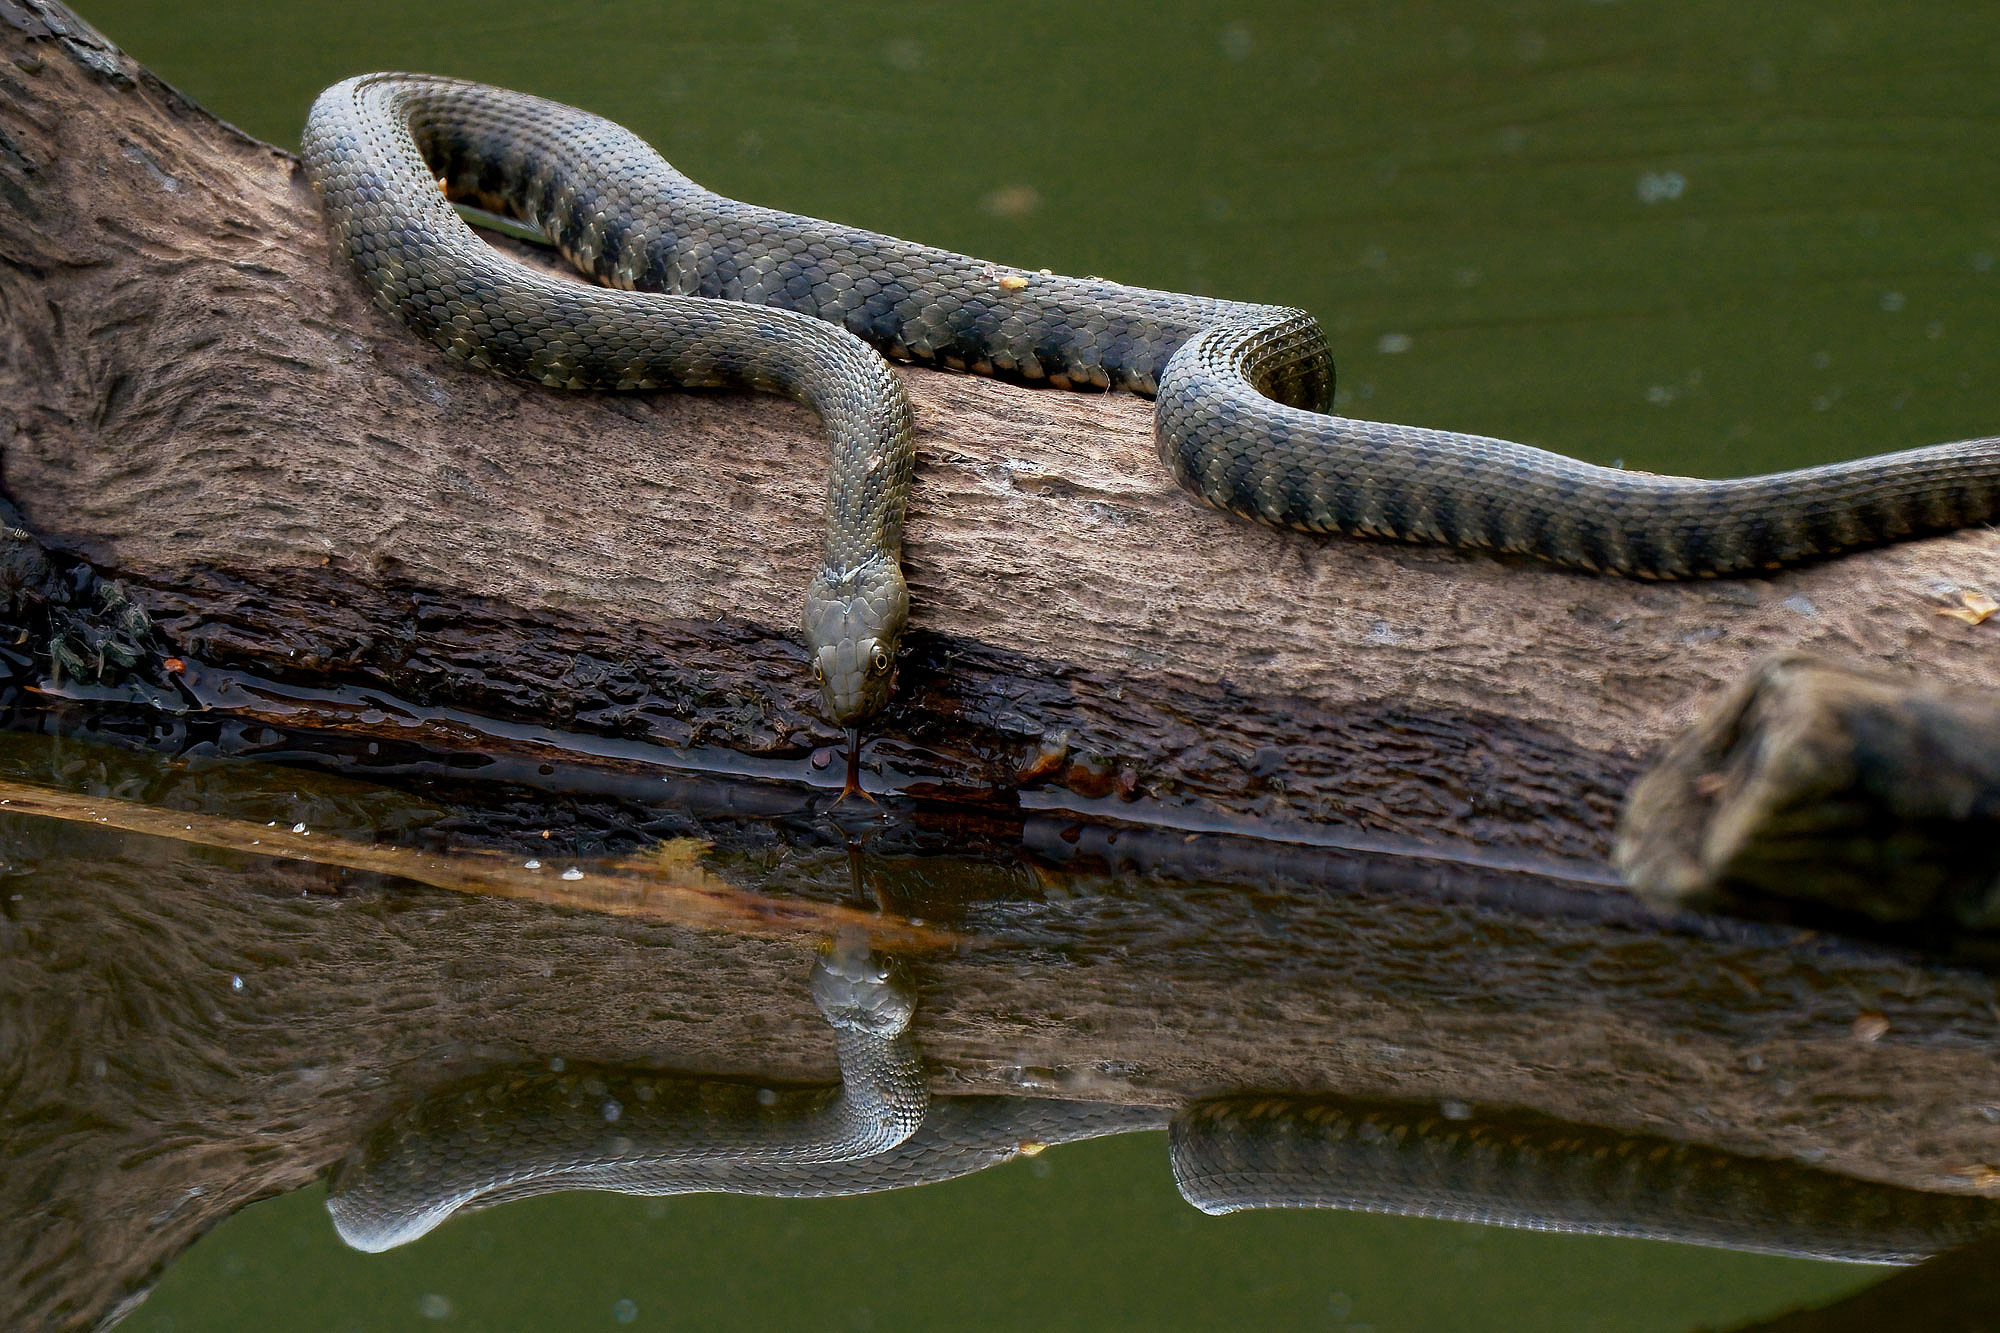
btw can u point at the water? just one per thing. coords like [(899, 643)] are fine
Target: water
[(202, 1026), (1701, 239), (1692, 238)]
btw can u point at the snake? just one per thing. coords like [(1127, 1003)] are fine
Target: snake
[(699, 290)]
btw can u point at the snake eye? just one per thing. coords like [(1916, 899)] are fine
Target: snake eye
[(880, 661), (819, 673)]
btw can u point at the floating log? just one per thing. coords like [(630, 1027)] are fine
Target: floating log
[(197, 397), (240, 495)]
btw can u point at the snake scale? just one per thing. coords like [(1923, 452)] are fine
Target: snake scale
[(713, 292)]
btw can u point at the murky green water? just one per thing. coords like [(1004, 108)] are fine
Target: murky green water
[(1696, 238)]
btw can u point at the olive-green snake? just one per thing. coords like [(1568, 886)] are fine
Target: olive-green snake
[(716, 292)]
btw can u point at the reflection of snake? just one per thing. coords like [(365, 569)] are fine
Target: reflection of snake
[(392, 1193), (512, 1135), (587, 1126), (1524, 1170), (1240, 387)]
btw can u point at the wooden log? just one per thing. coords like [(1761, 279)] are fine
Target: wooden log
[(196, 397), (1866, 792)]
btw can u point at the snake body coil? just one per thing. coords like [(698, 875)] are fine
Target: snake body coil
[(1241, 390)]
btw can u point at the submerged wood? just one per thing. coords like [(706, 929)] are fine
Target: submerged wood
[(668, 885), (1868, 792), (196, 397)]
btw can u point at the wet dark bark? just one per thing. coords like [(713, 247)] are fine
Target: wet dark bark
[(1869, 793), (196, 398)]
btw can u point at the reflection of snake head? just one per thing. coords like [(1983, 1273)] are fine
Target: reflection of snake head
[(854, 619), (859, 991)]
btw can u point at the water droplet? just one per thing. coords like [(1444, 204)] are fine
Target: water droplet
[(1012, 201), (572, 873), (1657, 187), (611, 1109), (1892, 301), (531, 865), (1393, 344), (236, 983), (298, 828), (434, 1306), (624, 1311)]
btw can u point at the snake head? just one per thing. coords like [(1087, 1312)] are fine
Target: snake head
[(862, 991), (853, 624)]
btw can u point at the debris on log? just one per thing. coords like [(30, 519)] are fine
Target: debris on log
[(1865, 792)]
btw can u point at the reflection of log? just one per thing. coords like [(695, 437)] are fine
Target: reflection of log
[(193, 395), (1952, 1293), (147, 1094), (1854, 790)]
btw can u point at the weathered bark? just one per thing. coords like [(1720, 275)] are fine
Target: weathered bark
[(195, 395), (1863, 792)]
